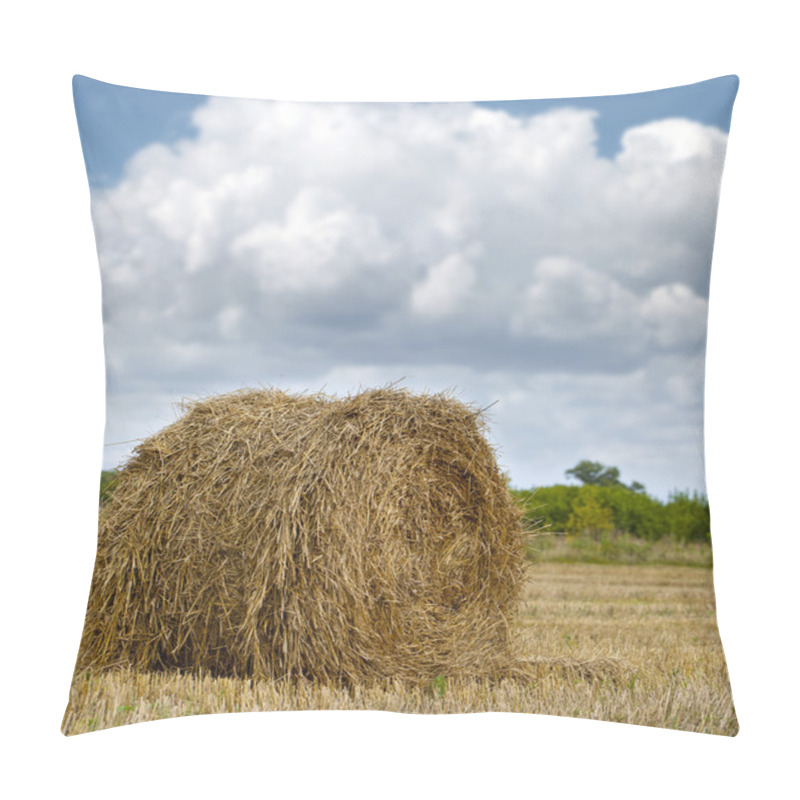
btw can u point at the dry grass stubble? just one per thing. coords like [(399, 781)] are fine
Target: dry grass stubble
[(627, 644)]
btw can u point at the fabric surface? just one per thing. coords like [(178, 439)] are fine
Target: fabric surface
[(411, 391)]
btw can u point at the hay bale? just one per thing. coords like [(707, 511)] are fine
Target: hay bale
[(271, 535)]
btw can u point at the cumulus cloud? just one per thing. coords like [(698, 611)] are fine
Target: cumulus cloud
[(229, 319), (671, 142), (675, 315), (287, 240), (444, 287), (320, 241), (569, 301)]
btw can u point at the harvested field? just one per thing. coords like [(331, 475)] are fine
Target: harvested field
[(634, 644)]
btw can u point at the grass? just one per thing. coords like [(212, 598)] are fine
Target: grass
[(634, 644), (617, 548)]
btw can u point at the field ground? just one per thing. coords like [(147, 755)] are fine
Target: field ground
[(635, 644)]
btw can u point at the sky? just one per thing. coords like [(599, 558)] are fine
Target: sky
[(548, 258)]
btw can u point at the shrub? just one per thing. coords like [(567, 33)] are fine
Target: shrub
[(590, 517)]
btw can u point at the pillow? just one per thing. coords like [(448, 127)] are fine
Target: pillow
[(404, 407)]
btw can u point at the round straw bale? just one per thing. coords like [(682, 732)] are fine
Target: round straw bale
[(274, 535)]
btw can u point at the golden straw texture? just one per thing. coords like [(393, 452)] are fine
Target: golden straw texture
[(336, 539)]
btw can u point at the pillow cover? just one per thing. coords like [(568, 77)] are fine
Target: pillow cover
[(404, 406)]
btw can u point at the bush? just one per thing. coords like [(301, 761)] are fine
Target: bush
[(590, 516), (548, 506), (688, 517), (636, 513), (601, 509)]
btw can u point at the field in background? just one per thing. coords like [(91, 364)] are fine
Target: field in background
[(617, 548), (636, 644)]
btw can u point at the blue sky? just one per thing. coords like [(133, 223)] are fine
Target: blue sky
[(548, 258), (125, 119)]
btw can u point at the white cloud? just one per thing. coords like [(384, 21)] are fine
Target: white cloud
[(671, 142), (569, 301), (320, 241), (229, 320), (301, 197), (676, 315), (444, 287), (289, 240)]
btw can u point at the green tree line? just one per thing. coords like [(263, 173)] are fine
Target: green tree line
[(603, 505)]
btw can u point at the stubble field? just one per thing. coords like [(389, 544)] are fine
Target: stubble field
[(636, 644)]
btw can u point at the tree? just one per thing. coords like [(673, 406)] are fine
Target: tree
[(689, 517), (593, 473), (590, 516)]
